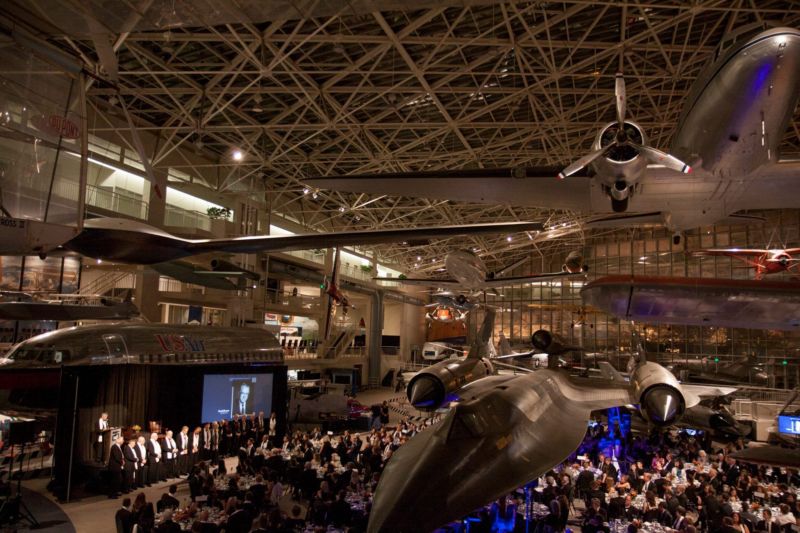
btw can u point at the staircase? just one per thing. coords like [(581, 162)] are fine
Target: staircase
[(106, 284), (338, 342)]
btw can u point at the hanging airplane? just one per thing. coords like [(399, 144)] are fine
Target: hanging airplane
[(336, 298), (130, 241), (469, 274), (732, 124), (505, 431), (762, 261), (59, 309), (739, 371), (218, 276), (731, 303)]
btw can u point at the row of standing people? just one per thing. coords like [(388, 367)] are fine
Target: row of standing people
[(141, 461)]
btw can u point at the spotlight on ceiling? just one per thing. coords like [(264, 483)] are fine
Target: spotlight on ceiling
[(237, 155)]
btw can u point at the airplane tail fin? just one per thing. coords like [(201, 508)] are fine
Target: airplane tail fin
[(483, 342), (503, 346)]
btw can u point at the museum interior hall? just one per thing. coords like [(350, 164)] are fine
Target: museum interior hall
[(373, 266)]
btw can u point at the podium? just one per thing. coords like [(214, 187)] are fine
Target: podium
[(109, 437)]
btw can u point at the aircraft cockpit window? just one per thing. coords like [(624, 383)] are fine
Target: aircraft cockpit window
[(116, 345), (466, 426)]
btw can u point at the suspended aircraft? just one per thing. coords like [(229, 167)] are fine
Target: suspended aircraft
[(728, 134), (742, 370), (130, 241), (469, 273), (67, 308), (730, 303), (336, 298), (762, 261), (220, 274), (504, 431)]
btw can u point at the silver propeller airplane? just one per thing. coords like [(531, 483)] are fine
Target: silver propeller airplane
[(732, 123), (469, 273)]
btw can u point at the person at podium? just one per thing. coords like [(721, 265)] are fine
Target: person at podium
[(100, 428)]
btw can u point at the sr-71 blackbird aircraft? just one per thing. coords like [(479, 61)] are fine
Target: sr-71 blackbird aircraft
[(129, 241), (505, 431), (732, 123), (763, 261), (469, 273)]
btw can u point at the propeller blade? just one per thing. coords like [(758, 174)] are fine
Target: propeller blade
[(583, 162), (656, 156), (619, 93)]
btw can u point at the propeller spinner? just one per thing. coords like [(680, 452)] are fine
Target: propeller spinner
[(615, 157)]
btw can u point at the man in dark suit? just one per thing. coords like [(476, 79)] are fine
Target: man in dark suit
[(205, 443), (116, 464), (242, 399), (124, 517), (131, 466), (154, 459), (767, 523), (142, 474), (183, 450), (216, 437), (680, 520), (170, 454), (168, 499)]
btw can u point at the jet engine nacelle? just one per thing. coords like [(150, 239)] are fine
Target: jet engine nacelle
[(220, 265), (574, 263), (551, 343), (429, 390), (658, 394)]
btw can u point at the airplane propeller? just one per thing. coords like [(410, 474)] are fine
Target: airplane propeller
[(652, 155)]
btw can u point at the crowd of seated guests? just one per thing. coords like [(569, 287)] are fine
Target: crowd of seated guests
[(312, 480), (315, 480), (674, 479)]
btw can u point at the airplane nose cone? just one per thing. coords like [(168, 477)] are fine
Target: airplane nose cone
[(411, 482), (425, 392), (662, 405)]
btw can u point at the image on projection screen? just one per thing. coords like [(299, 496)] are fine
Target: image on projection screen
[(228, 395)]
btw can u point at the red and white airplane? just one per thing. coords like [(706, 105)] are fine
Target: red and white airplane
[(336, 297), (763, 261)]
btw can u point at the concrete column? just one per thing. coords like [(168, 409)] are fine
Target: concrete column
[(147, 278), (374, 334)]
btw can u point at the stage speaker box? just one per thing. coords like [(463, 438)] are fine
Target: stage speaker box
[(22, 431)]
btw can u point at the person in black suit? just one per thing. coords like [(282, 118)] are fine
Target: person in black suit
[(168, 499), (170, 454), (216, 437), (116, 464), (142, 474), (183, 451), (131, 465), (124, 517), (241, 398), (767, 523), (154, 459)]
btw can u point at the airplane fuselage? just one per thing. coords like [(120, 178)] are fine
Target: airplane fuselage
[(467, 268), (512, 428)]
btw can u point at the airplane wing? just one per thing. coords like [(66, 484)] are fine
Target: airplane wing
[(731, 252), (127, 241), (708, 391), (422, 282), (533, 278), (517, 186)]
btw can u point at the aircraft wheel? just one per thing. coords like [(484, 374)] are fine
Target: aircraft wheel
[(619, 206)]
